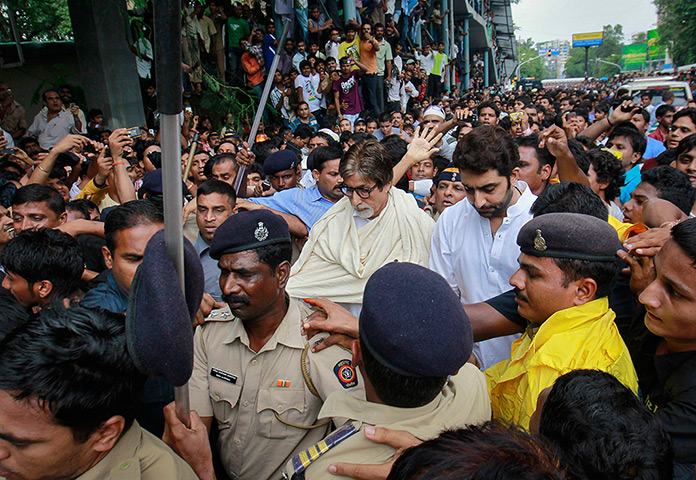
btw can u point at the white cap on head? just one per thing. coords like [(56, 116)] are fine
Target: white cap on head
[(330, 133), (434, 110)]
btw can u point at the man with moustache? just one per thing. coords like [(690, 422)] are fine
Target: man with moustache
[(473, 244), (308, 204), (253, 372)]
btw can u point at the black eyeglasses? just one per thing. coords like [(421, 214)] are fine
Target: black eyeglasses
[(362, 192)]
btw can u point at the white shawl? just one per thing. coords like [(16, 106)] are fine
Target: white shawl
[(339, 257)]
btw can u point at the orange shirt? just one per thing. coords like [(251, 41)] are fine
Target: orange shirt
[(368, 56)]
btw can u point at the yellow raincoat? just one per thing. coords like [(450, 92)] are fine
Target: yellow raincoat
[(582, 337)]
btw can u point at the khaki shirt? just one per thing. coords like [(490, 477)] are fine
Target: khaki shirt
[(248, 392), (463, 401), (140, 455)]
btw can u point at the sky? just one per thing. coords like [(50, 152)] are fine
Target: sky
[(544, 20)]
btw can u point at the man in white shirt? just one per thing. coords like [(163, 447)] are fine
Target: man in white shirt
[(427, 59), (474, 243), (331, 47), (52, 124), (307, 85), (300, 55)]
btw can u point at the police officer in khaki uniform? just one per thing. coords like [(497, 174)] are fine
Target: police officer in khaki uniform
[(254, 373), (412, 354), (69, 391)]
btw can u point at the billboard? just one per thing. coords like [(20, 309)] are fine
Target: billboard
[(633, 56), (552, 50), (655, 52), (591, 39)]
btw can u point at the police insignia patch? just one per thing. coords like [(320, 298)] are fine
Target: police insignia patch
[(539, 242), (261, 232), (346, 374)]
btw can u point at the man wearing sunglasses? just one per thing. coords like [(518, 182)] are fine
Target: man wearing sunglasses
[(373, 224)]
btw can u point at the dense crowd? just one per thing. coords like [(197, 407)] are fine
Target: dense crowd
[(414, 279)]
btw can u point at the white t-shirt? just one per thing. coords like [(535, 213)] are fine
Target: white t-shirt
[(310, 90), (144, 47)]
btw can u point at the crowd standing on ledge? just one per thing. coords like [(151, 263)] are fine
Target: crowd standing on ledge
[(412, 282)]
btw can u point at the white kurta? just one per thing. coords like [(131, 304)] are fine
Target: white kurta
[(478, 265)]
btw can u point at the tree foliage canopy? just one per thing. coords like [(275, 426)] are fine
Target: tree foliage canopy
[(38, 20), (677, 24), (526, 49)]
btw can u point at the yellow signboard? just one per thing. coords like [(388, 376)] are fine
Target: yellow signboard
[(587, 39)]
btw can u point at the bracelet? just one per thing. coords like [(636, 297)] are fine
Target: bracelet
[(98, 185), (120, 162), (609, 121), (43, 170)]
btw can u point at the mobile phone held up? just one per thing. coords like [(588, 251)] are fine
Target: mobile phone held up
[(134, 132)]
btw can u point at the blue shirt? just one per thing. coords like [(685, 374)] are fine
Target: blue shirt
[(312, 124), (210, 269), (630, 183), (306, 204), (654, 148), (268, 49)]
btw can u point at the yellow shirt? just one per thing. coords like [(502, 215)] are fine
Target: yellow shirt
[(582, 337), (626, 230)]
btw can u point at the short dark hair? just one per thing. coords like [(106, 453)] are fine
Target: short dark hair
[(603, 273), (45, 254), (602, 107), (275, 254), (129, 215), (686, 144), (80, 207), (543, 154), (663, 110), (321, 155), (569, 197), (486, 148), (37, 192), (303, 64), (46, 92), (608, 169), (219, 158), (671, 185), (490, 105), (487, 451), (601, 430), (398, 390), (635, 138), (75, 363), (302, 131), (26, 141), (217, 186), (686, 112), (684, 234)]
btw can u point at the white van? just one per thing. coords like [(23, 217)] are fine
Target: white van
[(656, 86)]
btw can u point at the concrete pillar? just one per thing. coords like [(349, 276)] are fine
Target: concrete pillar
[(109, 74), (349, 12), (465, 54), (486, 54)]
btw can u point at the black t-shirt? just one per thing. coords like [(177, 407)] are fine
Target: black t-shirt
[(668, 387)]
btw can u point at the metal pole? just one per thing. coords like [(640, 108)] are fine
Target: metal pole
[(465, 50), (262, 104), (444, 32), (587, 51), (485, 68), (452, 69), (169, 103)]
